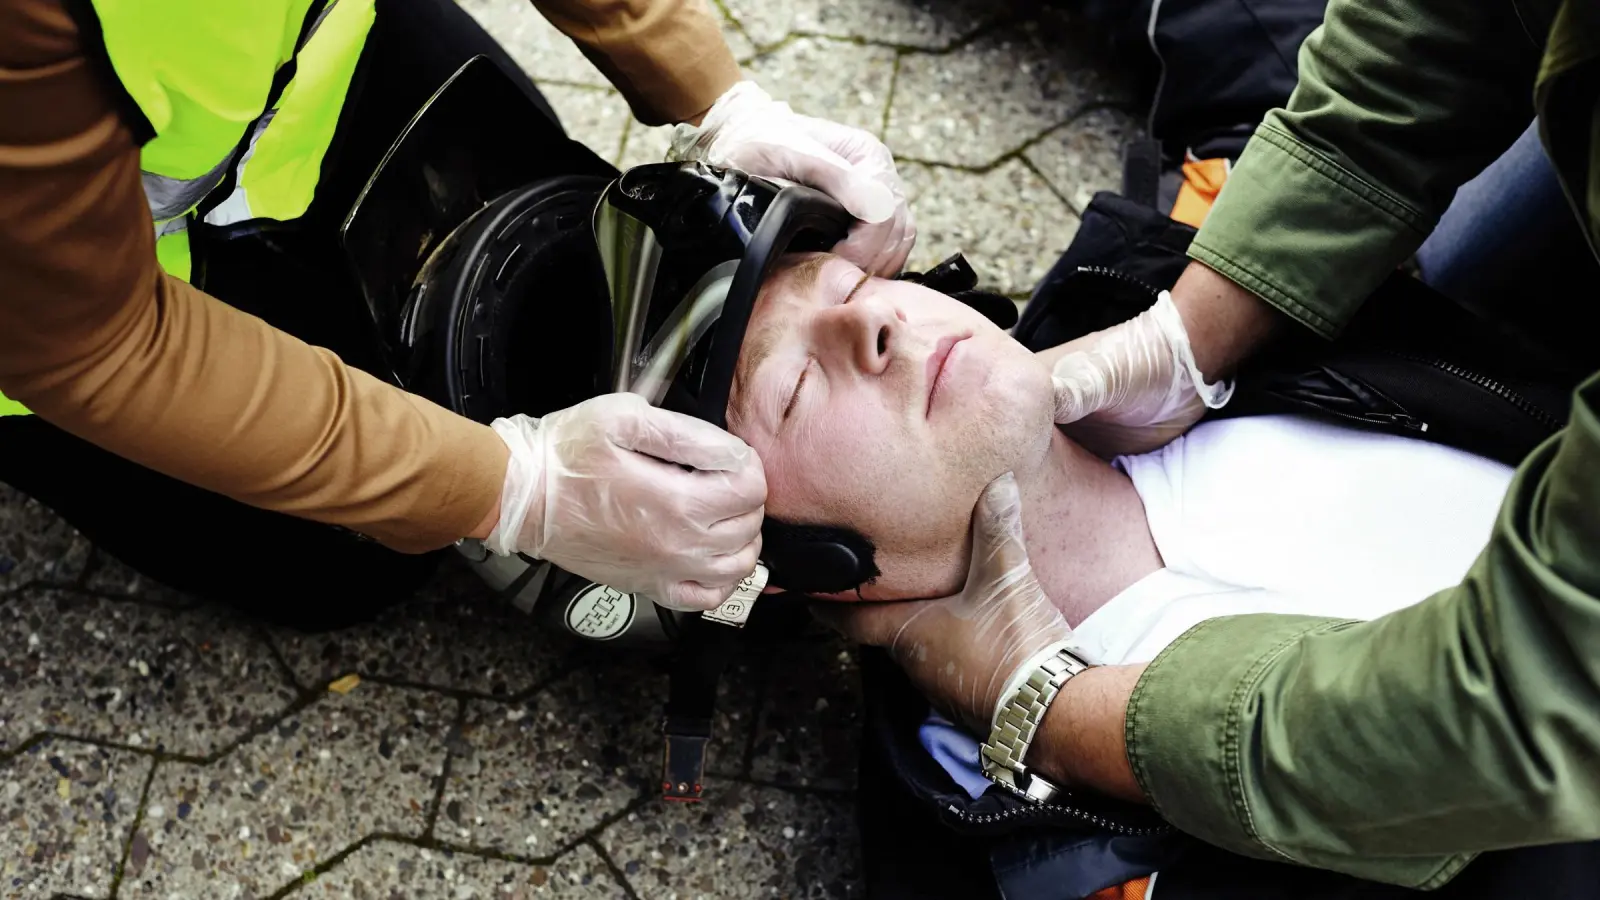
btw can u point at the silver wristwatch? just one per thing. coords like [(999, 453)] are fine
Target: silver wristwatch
[(1018, 721)]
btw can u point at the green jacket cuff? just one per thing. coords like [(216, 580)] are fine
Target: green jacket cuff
[(1304, 233), (1194, 716), (1184, 717)]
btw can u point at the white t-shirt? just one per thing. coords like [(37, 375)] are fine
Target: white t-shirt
[(1281, 514)]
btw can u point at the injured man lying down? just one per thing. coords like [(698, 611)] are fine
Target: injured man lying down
[(887, 407)]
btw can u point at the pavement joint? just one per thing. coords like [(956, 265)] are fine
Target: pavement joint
[(888, 102), (611, 864), (1022, 148), (432, 818), (952, 46), (133, 830)]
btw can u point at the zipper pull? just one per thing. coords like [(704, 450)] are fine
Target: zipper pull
[(1402, 420)]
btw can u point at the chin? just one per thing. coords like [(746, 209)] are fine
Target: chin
[(1018, 417)]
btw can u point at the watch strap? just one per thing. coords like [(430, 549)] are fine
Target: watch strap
[(1017, 721)]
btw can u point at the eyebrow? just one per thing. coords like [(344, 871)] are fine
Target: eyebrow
[(762, 343)]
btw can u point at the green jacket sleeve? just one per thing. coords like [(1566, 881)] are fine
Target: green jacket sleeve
[(1390, 749), (1399, 103)]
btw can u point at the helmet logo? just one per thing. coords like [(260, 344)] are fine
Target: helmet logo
[(600, 613)]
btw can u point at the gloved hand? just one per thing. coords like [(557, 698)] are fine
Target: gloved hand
[(602, 491), (1134, 386), (746, 129), (970, 651)]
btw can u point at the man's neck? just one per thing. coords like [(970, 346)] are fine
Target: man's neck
[(1085, 528)]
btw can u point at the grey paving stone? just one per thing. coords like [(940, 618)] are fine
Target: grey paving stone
[(644, 144), (529, 777), (753, 842), (65, 811), (810, 724), (532, 42), (35, 544), (595, 119), (343, 768), (988, 98), (184, 681), (385, 870), (1085, 155), (1009, 224), (110, 577), (907, 23), (547, 54), (836, 80), (454, 634)]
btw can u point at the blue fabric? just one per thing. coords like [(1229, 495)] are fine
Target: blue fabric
[(1509, 223), (955, 751)]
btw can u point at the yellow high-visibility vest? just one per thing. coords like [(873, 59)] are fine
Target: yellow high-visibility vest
[(202, 73)]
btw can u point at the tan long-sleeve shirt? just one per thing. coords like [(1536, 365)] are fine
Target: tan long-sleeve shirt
[(98, 340)]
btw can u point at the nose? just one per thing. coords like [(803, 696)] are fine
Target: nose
[(862, 334)]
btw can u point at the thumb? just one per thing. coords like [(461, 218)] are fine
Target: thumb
[(1071, 403), (690, 596), (998, 549), (677, 438)]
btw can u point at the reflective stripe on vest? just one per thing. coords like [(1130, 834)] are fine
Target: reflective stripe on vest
[(277, 175), (202, 73)]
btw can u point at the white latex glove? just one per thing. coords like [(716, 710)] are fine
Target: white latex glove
[(970, 651), (747, 129), (1134, 386), (602, 491)]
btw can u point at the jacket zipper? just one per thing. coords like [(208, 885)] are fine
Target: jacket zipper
[(1120, 276), (1022, 813), (1528, 407), (1401, 420)]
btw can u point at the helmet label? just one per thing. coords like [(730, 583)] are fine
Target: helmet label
[(600, 613)]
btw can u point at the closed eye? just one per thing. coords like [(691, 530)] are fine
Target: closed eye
[(848, 297), (795, 397)]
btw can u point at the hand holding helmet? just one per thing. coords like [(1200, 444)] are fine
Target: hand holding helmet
[(747, 129), (641, 499)]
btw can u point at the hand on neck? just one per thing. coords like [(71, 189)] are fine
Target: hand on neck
[(1085, 527)]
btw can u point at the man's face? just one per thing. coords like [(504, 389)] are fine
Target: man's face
[(886, 407)]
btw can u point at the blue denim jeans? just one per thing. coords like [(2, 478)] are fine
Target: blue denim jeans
[(1506, 245)]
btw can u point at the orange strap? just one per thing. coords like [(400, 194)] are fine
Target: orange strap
[(1132, 890), (1202, 179)]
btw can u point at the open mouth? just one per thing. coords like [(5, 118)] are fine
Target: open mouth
[(936, 364)]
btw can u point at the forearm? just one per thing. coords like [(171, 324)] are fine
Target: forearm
[(667, 57), (1225, 322), (187, 386), (1080, 742), (1399, 102)]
